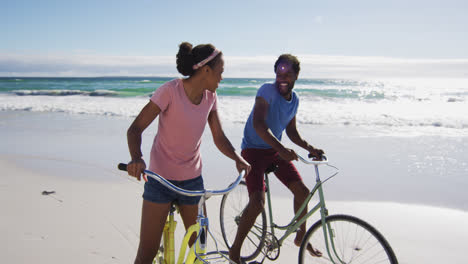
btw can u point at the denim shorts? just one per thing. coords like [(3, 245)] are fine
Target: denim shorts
[(157, 193)]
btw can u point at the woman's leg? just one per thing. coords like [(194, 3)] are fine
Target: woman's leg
[(189, 217), (153, 219)]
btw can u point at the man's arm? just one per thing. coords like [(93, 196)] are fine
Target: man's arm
[(259, 123), (293, 134)]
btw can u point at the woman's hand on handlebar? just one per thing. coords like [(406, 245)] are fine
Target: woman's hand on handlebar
[(136, 168), (242, 164)]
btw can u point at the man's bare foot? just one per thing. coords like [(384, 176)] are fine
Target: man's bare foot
[(234, 257), (312, 251)]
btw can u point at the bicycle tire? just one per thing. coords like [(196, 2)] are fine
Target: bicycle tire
[(232, 206), (355, 242)]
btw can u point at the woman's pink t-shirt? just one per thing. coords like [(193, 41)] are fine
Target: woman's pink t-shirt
[(175, 154)]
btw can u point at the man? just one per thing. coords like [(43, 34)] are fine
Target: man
[(274, 111)]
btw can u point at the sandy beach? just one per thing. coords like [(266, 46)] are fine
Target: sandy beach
[(399, 184)]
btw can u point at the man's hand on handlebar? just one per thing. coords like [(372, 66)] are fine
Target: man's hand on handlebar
[(288, 154), (315, 153)]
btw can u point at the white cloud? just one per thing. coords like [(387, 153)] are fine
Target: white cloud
[(312, 66), (85, 65), (381, 67)]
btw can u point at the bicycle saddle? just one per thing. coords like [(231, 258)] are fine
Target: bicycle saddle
[(271, 168)]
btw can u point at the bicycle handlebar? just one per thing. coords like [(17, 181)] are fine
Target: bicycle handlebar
[(324, 160), (168, 184)]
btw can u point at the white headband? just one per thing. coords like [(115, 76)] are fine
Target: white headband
[(205, 61)]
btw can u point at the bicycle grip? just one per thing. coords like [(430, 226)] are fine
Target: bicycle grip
[(321, 158), (122, 166)]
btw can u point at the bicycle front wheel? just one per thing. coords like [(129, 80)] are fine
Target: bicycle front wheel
[(232, 207), (350, 240)]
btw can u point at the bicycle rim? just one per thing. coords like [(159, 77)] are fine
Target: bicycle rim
[(355, 241), (232, 206)]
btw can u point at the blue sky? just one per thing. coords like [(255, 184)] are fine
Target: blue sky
[(349, 38)]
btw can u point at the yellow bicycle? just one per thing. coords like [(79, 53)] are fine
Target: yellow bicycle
[(198, 251)]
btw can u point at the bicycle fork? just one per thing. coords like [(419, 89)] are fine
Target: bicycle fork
[(198, 249), (328, 231), (168, 242)]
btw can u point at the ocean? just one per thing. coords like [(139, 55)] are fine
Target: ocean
[(398, 106)]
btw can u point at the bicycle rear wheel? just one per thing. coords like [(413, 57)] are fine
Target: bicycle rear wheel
[(355, 242), (232, 207)]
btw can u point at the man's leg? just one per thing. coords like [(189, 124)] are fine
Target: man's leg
[(254, 208), (259, 159), (289, 176), (300, 192)]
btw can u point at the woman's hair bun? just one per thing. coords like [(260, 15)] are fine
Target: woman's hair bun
[(185, 59)]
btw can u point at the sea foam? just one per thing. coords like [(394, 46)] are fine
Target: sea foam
[(382, 114)]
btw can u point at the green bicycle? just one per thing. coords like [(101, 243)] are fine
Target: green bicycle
[(198, 251), (341, 238)]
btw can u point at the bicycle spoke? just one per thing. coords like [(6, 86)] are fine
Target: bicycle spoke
[(354, 241)]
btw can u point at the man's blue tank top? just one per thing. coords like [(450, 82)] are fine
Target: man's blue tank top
[(280, 113)]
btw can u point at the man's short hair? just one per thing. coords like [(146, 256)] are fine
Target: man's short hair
[(290, 59)]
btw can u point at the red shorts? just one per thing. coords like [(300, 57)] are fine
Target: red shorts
[(260, 160)]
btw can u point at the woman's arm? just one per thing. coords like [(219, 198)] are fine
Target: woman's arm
[(136, 166), (223, 143)]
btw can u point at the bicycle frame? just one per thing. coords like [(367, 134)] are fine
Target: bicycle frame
[(295, 222)]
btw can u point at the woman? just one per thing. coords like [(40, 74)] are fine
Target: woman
[(183, 106)]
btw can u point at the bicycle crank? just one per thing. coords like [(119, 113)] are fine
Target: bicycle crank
[(271, 249)]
